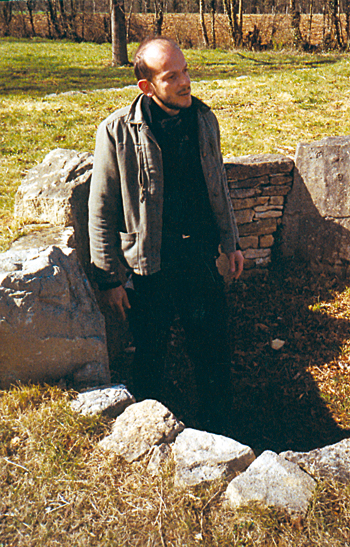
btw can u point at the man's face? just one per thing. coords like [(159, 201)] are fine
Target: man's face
[(170, 86)]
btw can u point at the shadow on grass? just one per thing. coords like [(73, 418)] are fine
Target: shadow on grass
[(277, 404), (291, 63), (37, 80)]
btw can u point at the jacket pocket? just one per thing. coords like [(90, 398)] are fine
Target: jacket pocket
[(129, 246)]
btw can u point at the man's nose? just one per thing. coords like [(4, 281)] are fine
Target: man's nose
[(185, 79)]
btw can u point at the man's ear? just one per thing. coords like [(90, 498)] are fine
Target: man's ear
[(146, 87)]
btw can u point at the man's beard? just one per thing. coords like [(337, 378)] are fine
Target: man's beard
[(172, 105)]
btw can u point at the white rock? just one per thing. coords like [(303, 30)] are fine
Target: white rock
[(140, 427), (50, 323), (277, 344), (200, 456), (109, 400), (330, 462), (159, 455), (272, 481)]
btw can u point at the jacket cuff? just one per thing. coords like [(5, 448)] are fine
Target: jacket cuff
[(107, 286)]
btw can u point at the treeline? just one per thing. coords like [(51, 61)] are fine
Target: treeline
[(249, 23)]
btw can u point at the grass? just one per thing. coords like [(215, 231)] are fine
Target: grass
[(265, 102), (56, 487)]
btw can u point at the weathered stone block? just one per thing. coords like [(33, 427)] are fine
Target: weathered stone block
[(249, 242), (56, 191), (266, 241), (272, 213), (244, 215), (316, 221), (140, 427), (242, 193), (50, 323), (331, 462), (249, 183), (106, 400), (276, 200), (245, 167), (272, 481), (259, 227), (200, 456), (251, 254), (275, 190), (281, 179), (249, 203)]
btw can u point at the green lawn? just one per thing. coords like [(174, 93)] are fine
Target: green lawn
[(265, 102)]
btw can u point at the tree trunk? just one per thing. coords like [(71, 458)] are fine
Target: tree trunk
[(240, 22), (295, 21), (311, 12), (30, 7), (118, 31), (230, 8), (213, 34), (347, 15), (128, 21), (203, 27), (158, 18), (333, 8), (7, 16)]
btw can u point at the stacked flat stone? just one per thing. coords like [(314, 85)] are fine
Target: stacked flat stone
[(258, 187)]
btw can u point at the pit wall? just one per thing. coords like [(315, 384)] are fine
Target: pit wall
[(258, 187)]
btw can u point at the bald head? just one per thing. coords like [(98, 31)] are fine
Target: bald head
[(148, 50)]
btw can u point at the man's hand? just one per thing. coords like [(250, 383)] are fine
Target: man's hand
[(118, 300), (236, 261)]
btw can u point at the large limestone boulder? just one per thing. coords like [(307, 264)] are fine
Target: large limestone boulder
[(56, 191), (50, 324), (329, 462), (200, 456), (272, 481), (140, 427), (316, 220)]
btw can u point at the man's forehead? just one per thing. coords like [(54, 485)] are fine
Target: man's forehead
[(162, 56)]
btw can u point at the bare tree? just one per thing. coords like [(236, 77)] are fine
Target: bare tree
[(231, 12), (333, 7), (158, 17), (347, 27), (295, 21), (118, 32), (203, 27), (7, 17), (31, 7), (213, 12)]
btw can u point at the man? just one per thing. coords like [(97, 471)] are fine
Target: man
[(159, 205)]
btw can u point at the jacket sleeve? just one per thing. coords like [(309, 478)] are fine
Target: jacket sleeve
[(105, 212), (229, 236)]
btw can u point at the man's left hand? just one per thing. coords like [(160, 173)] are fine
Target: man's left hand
[(236, 261)]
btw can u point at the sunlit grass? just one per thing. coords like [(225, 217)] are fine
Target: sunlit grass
[(58, 488), (265, 102)]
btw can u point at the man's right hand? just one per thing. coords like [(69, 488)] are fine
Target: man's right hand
[(118, 300)]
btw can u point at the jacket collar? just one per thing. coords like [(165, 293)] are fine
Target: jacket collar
[(136, 115)]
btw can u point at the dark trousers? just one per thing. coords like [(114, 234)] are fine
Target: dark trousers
[(191, 288)]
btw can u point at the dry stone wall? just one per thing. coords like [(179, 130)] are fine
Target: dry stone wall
[(258, 187)]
